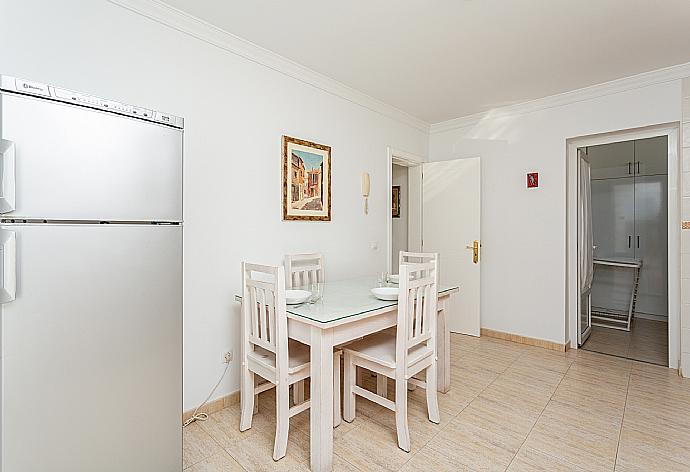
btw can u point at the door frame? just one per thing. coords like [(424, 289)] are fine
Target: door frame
[(671, 131), (406, 159)]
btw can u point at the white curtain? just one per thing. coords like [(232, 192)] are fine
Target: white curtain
[(585, 241)]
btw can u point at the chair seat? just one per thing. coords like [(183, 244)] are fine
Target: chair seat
[(380, 348), (298, 352)]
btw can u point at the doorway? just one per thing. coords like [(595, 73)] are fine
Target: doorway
[(628, 293), (405, 193), (625, 290), (438, 211)]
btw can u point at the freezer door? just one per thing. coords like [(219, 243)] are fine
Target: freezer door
[(75, 163), (92, 350)]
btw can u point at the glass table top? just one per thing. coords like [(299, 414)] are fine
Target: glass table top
[(344, 298)]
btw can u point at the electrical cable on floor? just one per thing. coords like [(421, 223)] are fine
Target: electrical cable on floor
[(196, 416)]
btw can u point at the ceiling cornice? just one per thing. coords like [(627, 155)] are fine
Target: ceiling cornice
[(181, 21), (595, 91)]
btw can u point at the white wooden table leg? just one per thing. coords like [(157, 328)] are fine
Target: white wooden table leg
[(443, 349), (337, 414), (321, 415), (349, 380)]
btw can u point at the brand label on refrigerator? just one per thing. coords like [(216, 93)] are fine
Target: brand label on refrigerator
[(35, 88)]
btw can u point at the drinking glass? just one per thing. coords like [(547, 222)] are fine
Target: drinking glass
[(316, 292), (383, 279)]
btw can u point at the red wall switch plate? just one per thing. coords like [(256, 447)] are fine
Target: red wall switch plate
[(533, 180)]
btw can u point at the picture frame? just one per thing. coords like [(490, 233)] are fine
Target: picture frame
[(306, 180), (396, 201)]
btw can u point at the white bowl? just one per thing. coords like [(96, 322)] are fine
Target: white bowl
[(385, 293), (295, 297)]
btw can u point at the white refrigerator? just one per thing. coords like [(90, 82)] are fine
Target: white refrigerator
[(90, 283)]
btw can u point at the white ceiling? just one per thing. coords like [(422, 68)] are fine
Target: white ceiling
[(441, 59)]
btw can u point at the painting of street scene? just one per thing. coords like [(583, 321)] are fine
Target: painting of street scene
[(306, 180)]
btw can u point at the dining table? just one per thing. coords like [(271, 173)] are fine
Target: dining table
[(346, 310)]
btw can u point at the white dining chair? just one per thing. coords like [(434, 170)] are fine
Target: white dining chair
[(304, 269), (410, 352), (406, 258), (269, 353)]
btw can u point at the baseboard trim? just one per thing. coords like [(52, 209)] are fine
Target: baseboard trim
[(652, 316), (516, 338), (215, 405)]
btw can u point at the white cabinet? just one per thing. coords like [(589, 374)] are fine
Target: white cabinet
[(629, 158), (647, 152), (612, 160), (651, 243)]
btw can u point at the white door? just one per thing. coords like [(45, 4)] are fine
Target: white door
[(585, 246), (450, 226)]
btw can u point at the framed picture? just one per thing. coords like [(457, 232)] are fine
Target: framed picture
[(396, 201), (306, 180)]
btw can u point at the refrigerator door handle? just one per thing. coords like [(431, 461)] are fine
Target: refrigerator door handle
[(8, 255), (7, 156)]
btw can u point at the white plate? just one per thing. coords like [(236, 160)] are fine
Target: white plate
[(295, 297), (385, 293)]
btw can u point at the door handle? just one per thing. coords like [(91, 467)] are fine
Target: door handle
[(629, 168), (475, 251), (8, 248), (7, 156), (629, 241)]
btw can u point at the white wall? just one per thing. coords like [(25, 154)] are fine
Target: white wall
[(524, 238), (399, 225), (235, 112)]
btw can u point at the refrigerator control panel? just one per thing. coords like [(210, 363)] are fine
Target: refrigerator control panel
[(27, 87)]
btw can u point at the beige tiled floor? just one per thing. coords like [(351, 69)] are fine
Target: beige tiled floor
[(646, 342), (511, 407)]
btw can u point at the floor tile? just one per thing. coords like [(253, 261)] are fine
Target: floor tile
[(372, 447), (579, 445), (221, 462), (530, 460), (197, 445)]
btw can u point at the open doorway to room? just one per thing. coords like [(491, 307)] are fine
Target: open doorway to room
[(629, 211), (405, 195), (627, 227)]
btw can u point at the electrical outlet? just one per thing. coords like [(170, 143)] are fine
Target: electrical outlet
[(227, 357)]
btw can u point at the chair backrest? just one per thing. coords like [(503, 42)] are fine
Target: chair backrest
[(264, 315), (304, 269), (417, 257), (417, 307)]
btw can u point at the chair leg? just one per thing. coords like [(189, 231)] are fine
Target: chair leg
[(382, 385), (337, 416), (282, 420), (298, 392), (247, 398), (401, 414), (432, 394), (349, 404)]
